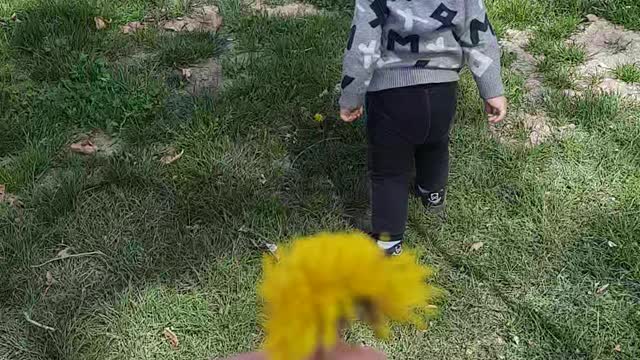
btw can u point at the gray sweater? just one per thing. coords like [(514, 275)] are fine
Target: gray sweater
[(397, 43)]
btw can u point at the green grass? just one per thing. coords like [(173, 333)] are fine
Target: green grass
[(629, 73), (178, 240)]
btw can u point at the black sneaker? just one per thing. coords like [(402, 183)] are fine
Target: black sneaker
[(434, 201)]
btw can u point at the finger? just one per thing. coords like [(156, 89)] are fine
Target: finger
[(500, 116), (349, 119)]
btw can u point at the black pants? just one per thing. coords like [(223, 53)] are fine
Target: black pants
[(407, 126)]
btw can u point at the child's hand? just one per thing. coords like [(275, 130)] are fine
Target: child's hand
[(351, 115), (496, 108)]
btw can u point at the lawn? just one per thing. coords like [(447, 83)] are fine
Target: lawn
[(539, 254)]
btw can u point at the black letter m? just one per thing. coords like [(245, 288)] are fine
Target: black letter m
[(394, 38)]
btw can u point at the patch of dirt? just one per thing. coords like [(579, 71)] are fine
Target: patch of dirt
[(132, 27), (205, 18), (95, 143), (294, 9), (607, 46), (538, 128), (204, 77), (515, 42)]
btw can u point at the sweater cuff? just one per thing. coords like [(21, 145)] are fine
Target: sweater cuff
[(490, 84), (351, 101)]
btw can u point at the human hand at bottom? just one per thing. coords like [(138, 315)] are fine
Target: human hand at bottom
[(496, 109), (341, 352), (351, 115)]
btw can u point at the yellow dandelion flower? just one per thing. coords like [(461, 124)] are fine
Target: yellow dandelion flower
[(318, 118), (322, 282)]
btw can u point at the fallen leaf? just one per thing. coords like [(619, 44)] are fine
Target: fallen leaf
[(14, 17), (9, 198), (602, 289), (186, 73), (618, 348), (171, 337), (64, 253), (85, 147), (477, 246), (101, 23), (132, 27), (171, 156), (50, 279), (612, 244)]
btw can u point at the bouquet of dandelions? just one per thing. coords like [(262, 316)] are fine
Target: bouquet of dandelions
[(319, 285)]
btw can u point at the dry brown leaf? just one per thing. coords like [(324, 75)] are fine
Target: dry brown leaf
[(171, 337), (618, 348), (85, 147), (9, 198), (132, 27), (50, 279), (64, 253), (171, 156), (477, 246), (101, 23), (602, 289)]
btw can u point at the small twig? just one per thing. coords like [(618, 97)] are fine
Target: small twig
[(68, 257), (33, 322)]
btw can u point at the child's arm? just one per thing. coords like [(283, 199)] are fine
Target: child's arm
[(361, 56), (482, 55)]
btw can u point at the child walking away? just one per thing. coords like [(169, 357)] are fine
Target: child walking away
[(403, 59)]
